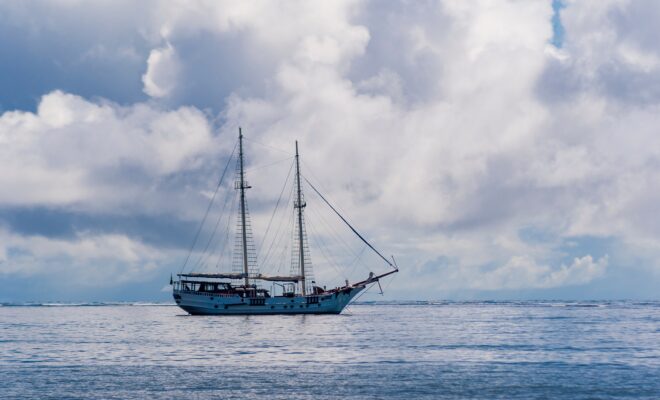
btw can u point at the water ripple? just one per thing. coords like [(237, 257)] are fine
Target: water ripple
[(486, 350)]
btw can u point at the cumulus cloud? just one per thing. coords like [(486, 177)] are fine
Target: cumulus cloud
[(73, 151), (483, 155), (162, 72)]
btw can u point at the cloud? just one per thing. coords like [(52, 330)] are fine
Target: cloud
[(517, 273), (96, 155), (86, 260), (91, 50), (610, 52), (444, 130), (522, 272), (482, 154), (162, 72)]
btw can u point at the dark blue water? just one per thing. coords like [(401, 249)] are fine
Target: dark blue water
[(499, 350)]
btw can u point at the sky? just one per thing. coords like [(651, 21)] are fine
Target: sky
[(500, 149)]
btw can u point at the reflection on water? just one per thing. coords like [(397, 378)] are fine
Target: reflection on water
[(426, 350)]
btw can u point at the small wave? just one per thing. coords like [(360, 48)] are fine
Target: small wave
[(579, 305), (88, 304), (508, 303), (395, 303), (647, 303)]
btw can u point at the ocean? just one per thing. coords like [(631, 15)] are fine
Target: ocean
[(410, 350)]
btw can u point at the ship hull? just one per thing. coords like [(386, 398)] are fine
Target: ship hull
[(201, 303)]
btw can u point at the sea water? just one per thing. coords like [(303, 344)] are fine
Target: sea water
[(414, 350)]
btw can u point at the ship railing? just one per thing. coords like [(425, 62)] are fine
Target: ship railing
[(208, 294)]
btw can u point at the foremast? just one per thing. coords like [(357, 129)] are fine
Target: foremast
[(242, 186), (299, 205)]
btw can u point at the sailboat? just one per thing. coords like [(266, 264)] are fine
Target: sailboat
[(245, 292)]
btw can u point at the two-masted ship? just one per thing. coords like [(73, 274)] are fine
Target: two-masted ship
[(246, 291)]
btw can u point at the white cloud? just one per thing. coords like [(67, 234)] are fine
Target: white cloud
[(162, 72), (637, 58), (481, 158), (439, 149), (522, 272), (74, 151), (86, 259)]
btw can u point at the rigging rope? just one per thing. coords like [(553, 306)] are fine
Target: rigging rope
[(258, 167), (267, 145), (355, 262), (227, 231), (339, 238), (319, 182), (277, 238), (348, 306), (206, 214), (330, 261), (274, 211), (205, 255), (349, 225)]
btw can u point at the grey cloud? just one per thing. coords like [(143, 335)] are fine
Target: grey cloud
[(217, 65), (637, 21), (163, 231), (94, 50), (399, 40), (610, 50)]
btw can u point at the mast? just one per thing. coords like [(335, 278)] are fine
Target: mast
[(242, 188), (299, 206)]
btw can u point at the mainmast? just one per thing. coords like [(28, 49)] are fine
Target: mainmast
[(243, 186), (299, 206)]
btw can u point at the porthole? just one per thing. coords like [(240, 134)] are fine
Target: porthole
[(216, 306)]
